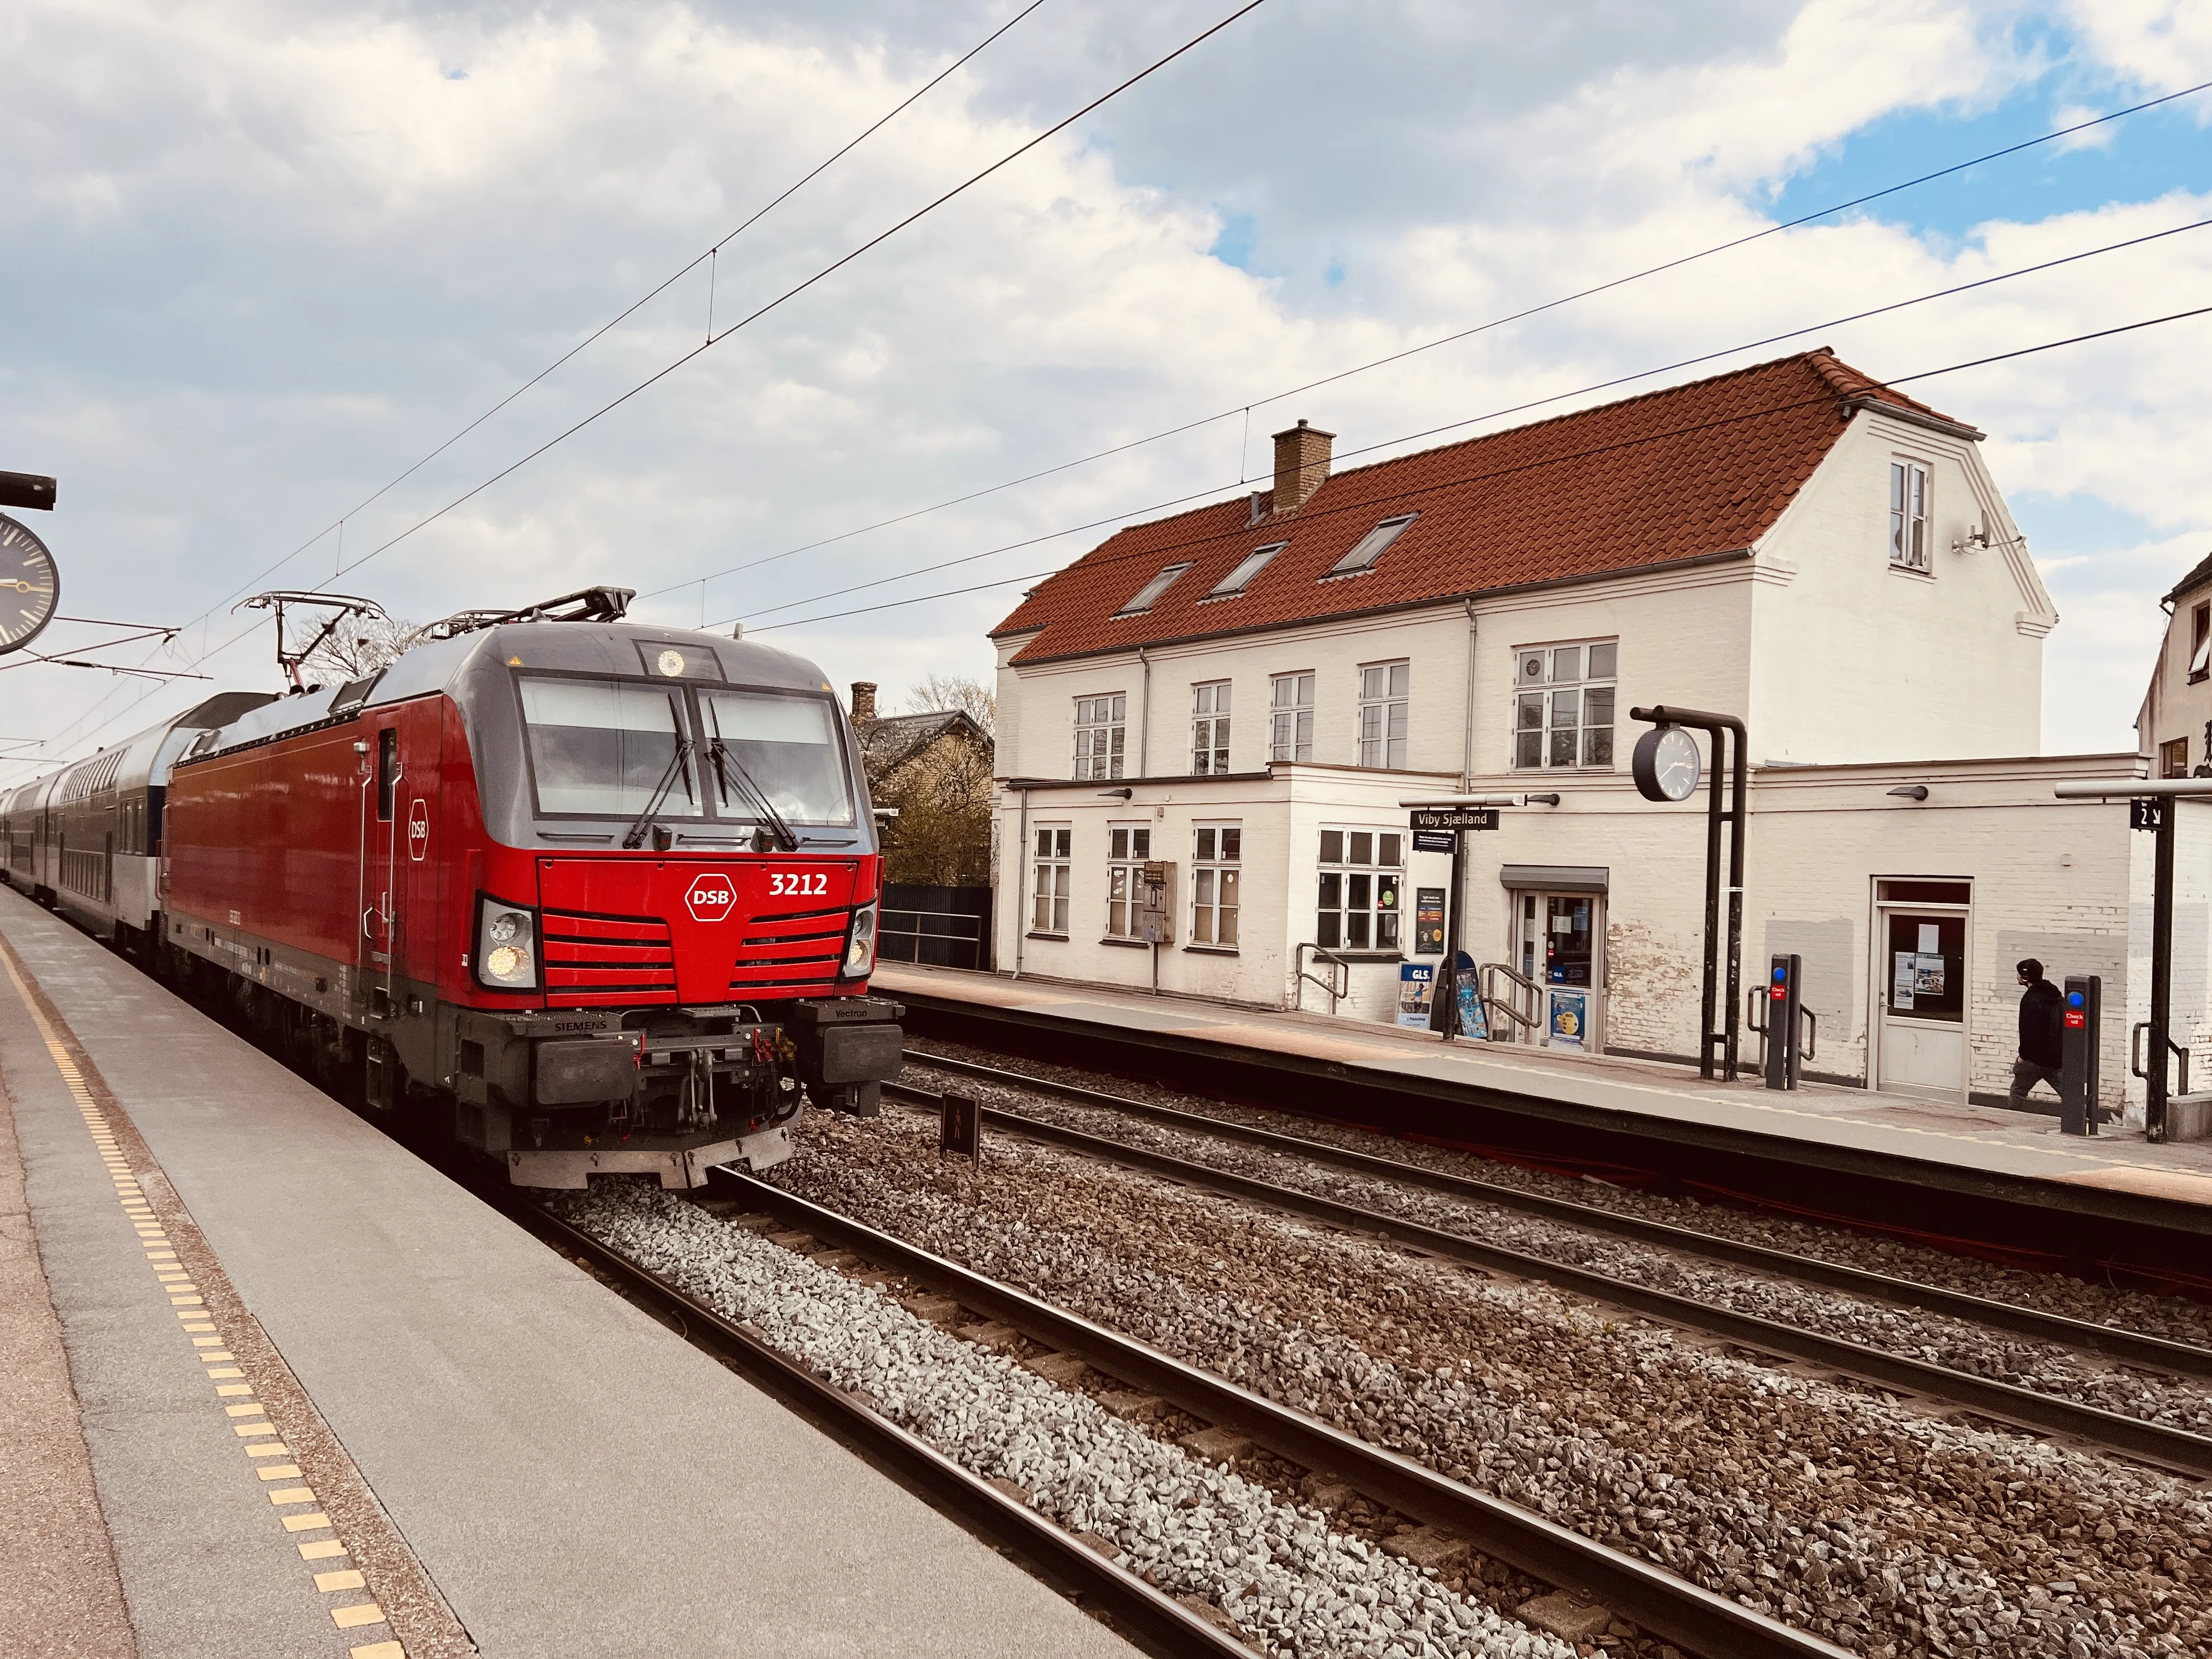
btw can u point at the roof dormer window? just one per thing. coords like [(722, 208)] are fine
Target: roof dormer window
[(1148, 594), (1248, 567), (1371, 546)]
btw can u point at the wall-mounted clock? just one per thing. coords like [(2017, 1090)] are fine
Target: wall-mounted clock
[(30, 585), (1665, 764)]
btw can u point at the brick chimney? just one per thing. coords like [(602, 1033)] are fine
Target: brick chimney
[(864, 702), (1301, 466)]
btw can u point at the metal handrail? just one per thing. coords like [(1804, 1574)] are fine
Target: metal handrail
[(1338, 984), (1531, 1019), (973, 941), (1756, 1001), (2135, 1055)]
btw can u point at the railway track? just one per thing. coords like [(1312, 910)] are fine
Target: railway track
[(2108, 1432), (1155, 1621), (1673, 1609)]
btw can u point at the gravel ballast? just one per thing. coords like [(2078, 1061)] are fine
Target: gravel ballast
[(1886, 1529), (1937, 1339), (1289, 1583), (2176, 1319)]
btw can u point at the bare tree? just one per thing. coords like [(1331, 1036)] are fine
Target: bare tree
[(361, 645), (957, 691)]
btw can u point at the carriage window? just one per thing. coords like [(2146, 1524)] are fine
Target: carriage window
[(603, 748), (785, 746)]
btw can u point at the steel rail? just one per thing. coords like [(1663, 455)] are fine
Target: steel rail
[(2111, 1431), (1677, 1611), (2132, 1347), (1154, 1620)]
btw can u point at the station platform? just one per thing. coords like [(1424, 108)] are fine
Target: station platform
[(1847, 1146), (281, 1388)]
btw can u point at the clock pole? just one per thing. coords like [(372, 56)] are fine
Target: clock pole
[(1727, 734)]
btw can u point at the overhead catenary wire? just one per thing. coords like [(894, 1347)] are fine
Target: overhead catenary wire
[(709, 258), (798, 289), (1514, 409), (1367, 504), (1244, 408), (788, 294), (1521, 315)]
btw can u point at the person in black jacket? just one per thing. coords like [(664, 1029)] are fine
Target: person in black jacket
[(2041, 1052)]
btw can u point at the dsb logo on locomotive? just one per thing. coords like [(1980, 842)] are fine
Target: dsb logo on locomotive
[(710, 898)]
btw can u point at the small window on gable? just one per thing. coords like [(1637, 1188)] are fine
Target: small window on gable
[(1248, 567), (1371, 546), (2200, 650), (1148, 594)]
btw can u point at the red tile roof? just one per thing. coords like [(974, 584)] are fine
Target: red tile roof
[(1695, 470)]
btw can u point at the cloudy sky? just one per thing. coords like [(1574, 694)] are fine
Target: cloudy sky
[(261, 259)]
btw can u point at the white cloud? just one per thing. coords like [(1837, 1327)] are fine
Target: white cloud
[(263, 258)]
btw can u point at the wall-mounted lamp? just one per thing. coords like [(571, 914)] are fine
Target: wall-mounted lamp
[(1911, 791), (1550, 800), (1116, 794)]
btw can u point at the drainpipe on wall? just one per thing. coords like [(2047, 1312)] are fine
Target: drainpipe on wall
[(1461, 873), (1021, 879), (1466, 744), (1145, 716)]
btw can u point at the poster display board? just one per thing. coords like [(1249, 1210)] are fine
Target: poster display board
[(1417, 986), (1568, 1022), (1428, 921)]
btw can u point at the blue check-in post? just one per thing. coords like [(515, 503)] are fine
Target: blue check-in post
[(2080, 1023)]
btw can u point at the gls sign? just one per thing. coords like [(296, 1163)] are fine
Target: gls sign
[(710, 897)]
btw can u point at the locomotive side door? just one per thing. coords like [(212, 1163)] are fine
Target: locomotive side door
[(416, 823), (398, 879), (380, 803)]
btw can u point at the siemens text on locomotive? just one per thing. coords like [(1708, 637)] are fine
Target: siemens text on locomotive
[(599, 898)]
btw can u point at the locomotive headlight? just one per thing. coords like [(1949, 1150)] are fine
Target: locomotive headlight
[(860, 944), (507, 947)]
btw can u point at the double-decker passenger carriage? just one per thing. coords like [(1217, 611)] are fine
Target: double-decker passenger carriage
[(601, 897), (83, 840)]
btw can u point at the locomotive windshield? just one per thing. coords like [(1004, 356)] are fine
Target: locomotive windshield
[(606, 749), (785, 747)]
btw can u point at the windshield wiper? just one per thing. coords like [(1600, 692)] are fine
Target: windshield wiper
[(676, 768), (787, 839)]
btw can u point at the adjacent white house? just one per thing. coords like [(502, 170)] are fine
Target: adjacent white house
[(2175, 726), (1247, 692)]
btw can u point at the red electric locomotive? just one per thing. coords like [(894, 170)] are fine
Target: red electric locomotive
[(604, 894)]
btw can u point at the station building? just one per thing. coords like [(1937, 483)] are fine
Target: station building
[(1246, 693)]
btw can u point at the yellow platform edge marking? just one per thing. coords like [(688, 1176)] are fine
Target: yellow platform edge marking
[(191, 1307)]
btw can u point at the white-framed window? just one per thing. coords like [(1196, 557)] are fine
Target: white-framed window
[(1371, 546), (1290, 717), (1209, 726), (1358, 905), (1049, 914), (1248, 569), (1147, 596), (1563, 703), (1908, 515), (1128, 849), (1382, 692), (1216, 883), (1099, 724)]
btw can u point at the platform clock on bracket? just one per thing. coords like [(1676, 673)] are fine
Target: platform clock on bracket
[(1665, 764), (30, 585)]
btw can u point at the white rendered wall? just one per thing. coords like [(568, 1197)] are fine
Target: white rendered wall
[(1854, 659)]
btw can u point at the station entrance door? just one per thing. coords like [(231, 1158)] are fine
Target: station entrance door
[(1558, 942), (1921, 935)]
